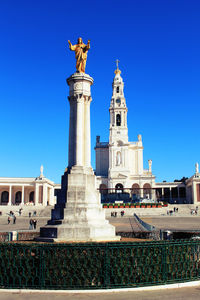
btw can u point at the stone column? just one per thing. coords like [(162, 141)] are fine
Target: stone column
[(22, 202), (87, 140), (44, 200), (194, 192), (79, 133), (162, 196), (71, 158), (10, 195), (36, 194), (170, 193)]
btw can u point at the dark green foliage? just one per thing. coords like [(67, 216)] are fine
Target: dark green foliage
[(97, 265)]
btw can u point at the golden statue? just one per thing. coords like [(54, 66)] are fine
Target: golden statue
[(80, 53)]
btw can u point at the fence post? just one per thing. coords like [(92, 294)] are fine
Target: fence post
[(164, 261), (107, 266), (42, 258)]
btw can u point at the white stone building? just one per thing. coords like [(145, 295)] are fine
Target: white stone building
[(119, 163), (28, 191)]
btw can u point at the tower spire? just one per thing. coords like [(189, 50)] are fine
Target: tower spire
[(117, 71)]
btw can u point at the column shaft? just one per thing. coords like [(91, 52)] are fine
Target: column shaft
[(10, 195), (36, 194), (44, 200), (22, 202), (71, 152), (79, 133), (87, 140)]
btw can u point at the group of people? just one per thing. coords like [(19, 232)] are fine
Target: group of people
[(114, 213), (170, 212), (194, 211), (33, 224), (34, 214), (12, 215)]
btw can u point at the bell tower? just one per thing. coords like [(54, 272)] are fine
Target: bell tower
[(118, 111), (118, 140)]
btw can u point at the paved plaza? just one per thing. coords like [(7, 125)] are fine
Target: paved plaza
[(189, 293), (122, 224)]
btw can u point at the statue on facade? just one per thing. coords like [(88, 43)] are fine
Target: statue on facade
[(196, 168), (150, 165), (80, 54), (118, 159)]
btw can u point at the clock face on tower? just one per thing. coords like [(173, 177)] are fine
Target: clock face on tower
[(118, 101)]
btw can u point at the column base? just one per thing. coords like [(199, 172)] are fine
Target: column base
[(81, 217)]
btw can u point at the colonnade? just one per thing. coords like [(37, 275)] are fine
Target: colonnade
[(26, 194)]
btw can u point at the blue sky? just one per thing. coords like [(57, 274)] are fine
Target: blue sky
[(158, 45)]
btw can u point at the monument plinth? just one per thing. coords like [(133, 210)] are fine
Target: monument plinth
[(78, 214)]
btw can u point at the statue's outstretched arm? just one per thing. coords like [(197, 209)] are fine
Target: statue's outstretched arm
[(88, 45), (71, 47)]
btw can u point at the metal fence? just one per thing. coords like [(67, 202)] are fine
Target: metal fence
[(98, 265)]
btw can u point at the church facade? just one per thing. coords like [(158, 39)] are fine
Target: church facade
[(119, 162)]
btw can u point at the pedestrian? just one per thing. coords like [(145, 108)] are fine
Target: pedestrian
[(34, 213), (14, 219), (31, 224), (34, 223), (121, 213), (29, 214), (8, 220), (115, 214)]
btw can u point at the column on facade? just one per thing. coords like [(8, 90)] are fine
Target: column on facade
[(44, 200), (170, 193), (87, 140), (79, 133), (194, 192), (22, 202), (178, 192), (141, 192), (36, 194), (10, 195), (162, 196), (0, 196)]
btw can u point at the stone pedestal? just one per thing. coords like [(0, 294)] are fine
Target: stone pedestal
[(78, 214)]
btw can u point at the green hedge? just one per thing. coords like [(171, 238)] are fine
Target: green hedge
[(98, 265)]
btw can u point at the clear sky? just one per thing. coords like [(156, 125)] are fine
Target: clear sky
[(158, 45)]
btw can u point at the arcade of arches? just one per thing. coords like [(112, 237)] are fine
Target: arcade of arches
[(146, 191), (27, 193)]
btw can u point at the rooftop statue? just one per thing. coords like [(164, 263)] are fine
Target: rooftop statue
[(80, 54)]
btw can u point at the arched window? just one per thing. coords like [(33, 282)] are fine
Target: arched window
[(31, 197), (18, 198), (4, 198), (147, 191), (118, 120), (119, 188), (117, 89), (135, 189)]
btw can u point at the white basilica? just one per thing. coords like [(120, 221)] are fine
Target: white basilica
[(119, 163)]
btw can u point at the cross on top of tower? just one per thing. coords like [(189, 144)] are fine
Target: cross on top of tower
[(117, 63), (117, 71)]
